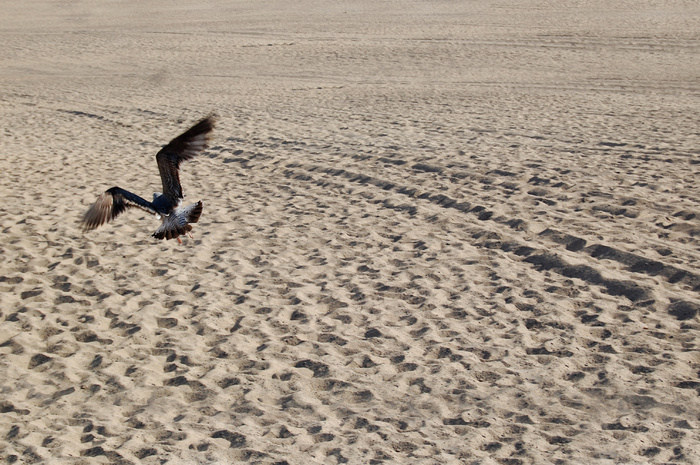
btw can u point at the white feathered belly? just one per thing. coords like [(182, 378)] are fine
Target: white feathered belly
[(178, 221)]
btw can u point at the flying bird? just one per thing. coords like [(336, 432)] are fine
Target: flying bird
[(177, 219)]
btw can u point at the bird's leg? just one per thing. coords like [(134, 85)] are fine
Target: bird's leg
[(189, 233), (178, 240)]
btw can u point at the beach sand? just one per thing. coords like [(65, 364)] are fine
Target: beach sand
[(433, 233)]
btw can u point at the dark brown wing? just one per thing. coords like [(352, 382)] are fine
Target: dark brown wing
[(110, 205), (183, 147)]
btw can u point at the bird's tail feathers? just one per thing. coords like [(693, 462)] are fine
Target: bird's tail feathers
[(192, 215), (178, 222)]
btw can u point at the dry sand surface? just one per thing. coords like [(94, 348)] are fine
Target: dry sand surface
[(434, 232)]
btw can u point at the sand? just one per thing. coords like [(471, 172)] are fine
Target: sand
[(433, 233)]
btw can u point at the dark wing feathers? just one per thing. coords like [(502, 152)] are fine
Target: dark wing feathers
[(182, 148), (111, 204)]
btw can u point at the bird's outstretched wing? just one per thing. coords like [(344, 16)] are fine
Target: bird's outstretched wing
[(110, 204), (182, 148)]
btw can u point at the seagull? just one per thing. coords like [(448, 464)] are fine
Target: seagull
[(167, 206)]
